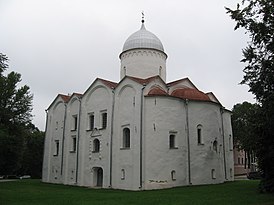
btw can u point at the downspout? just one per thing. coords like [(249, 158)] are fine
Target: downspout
[(63, 138), (188, 142), (46, 128), (141, 138), (111, 139), (78, 136), (223, 135)]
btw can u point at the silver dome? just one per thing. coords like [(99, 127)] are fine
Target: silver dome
[(143, 39)]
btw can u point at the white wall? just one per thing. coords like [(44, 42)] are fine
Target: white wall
[(143, 63), (55, 123)]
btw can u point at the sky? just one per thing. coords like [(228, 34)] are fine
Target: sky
[(62, 46)]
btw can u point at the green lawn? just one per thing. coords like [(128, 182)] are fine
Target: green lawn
[(34, 192)]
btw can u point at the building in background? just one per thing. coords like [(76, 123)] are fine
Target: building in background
[(140, 133)]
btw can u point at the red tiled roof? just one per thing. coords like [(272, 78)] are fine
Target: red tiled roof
[(143, 81), (65, 98), (78, 94), (157, 91), (108, 83), (190, 93), (179, 81)]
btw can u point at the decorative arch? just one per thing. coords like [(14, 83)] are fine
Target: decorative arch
[(57, 104), (124, 88), (93, 90)]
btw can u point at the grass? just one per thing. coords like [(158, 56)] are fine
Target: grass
[(34, 192)]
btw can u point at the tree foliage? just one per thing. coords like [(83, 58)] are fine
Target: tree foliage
[(244, 123), (18, 136), (257, 18)]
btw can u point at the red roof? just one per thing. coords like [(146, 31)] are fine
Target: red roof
[(157, 91), (190, 93), (108, 83), (65, 98), (143, 81)]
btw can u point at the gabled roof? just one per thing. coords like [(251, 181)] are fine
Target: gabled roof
[(213, 97), (108, 83), (144, 81), (170, 84), (191, 94), (64, 98), (156, 91)]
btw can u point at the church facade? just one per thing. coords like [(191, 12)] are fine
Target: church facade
[(140, 133)]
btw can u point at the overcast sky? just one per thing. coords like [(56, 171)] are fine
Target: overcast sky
[(62, 46)]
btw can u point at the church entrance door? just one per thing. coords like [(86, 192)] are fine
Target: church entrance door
[(99, 180)]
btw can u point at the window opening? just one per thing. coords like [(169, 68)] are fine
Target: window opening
[(104, 120), (126, 138), (199, 134), (173, 175), (91, 121), (96, 145), (172, 141), (56, 153)]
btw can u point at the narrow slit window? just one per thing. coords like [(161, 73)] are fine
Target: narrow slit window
[(213, 174), (104, 120), (91, 121), (74, 123), (123, 174), (73, 143), (199, 135), (57, 144), (173, 175), (172, 144), (215, 146), (126, 138)]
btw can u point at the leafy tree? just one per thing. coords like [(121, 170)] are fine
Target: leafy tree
[(244, 122), (257, 18), (15, 118), (32, 159)]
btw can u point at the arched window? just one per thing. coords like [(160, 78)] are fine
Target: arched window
[(126, 138), (200, 135), (215, 145), (96, 145)]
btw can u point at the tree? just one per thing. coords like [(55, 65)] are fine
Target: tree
[(244, 123), (32, 157), (15, 118), (257, 18)]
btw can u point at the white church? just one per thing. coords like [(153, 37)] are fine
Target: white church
[(139, 133)]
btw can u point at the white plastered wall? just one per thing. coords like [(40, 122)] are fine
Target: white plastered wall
[(143, 63)]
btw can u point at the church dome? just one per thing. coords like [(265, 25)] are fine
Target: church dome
[(190, 93), (143, 39)]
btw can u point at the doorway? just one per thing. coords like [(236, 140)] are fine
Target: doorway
[(98, 177)]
